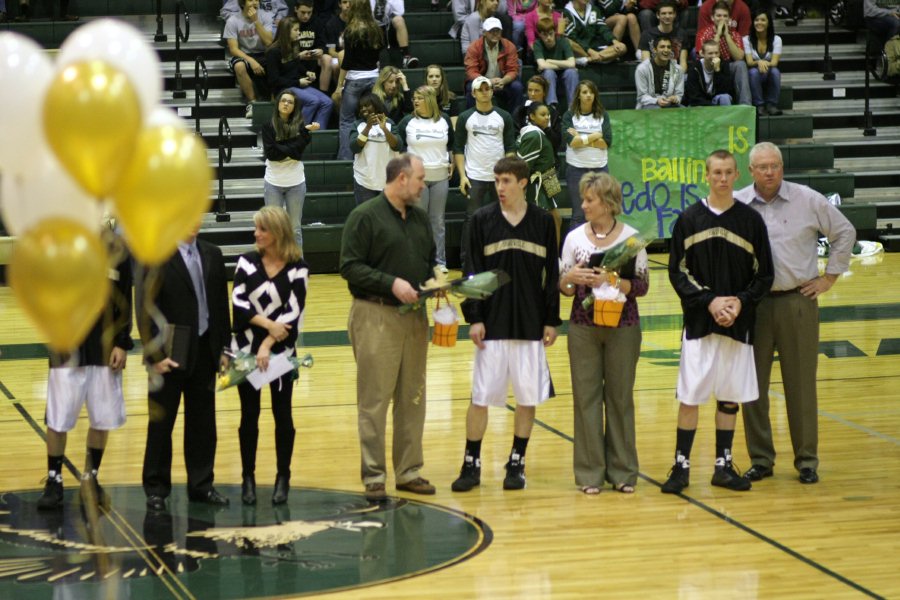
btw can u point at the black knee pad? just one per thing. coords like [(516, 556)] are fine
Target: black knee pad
[(729, 408)]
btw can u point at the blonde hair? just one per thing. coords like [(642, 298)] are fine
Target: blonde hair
[(605, 187), (429, 95), (276, 221), (378, 89)]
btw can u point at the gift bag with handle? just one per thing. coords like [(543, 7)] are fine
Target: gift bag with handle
[(446, 323)]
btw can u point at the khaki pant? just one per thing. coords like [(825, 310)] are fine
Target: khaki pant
[(790, 325), (390, 351), (603, 362)]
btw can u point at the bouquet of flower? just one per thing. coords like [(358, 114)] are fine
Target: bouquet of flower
[(234, 367), (476, 287), (617, 257)]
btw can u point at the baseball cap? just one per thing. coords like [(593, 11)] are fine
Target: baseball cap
[(480, 81), (491, 23)]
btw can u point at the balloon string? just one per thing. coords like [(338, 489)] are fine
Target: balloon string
[(150, 314)]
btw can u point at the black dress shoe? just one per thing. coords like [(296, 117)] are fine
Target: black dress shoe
[(808, 475), (155, 502), (280, 493), (248, 490), (758, 472), (211, 497)]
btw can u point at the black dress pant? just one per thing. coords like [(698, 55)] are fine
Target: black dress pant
[(198, 389)]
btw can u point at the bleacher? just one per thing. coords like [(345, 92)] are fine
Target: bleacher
[(819, 133)]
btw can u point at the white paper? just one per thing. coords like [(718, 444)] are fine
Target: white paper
[(279, 364)]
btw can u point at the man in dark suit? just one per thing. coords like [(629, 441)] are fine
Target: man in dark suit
[(192, 295)]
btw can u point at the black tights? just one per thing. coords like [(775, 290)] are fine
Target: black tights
[(282, 389)]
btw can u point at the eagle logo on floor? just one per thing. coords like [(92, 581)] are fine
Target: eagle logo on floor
[(322, 540)]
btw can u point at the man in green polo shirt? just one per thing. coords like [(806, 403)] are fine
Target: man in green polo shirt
[(387, 252)]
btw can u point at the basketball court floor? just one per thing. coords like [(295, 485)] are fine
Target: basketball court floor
[(839, 538)]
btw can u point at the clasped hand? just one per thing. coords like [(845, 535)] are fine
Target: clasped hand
[(725, 309)]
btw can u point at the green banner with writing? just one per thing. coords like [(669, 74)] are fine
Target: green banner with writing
[(659, 156)]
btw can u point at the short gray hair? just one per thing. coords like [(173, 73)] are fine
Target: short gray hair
[(765, 147)]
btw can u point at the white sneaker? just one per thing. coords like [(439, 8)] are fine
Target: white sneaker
[(581, 61), (248, 114), (637, 55), (410, 62), (443, 269)]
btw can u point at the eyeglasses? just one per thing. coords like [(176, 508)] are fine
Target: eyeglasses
[(770, 168)]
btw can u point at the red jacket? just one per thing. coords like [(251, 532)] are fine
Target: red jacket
[(740, 16), (476, 60)]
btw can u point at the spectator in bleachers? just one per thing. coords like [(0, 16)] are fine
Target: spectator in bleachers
[(290, 64), (25, 11), (518, 10), (285, 138), (334, 34), (555, 60), (388, 14), (275, 10), (374, 143), (681, 42), (496, 58), (463, 8), (393, 90), (544, 11), (323, 10), (883, 22), (247, 35), (592, 41), (708, 80), (436, 78), (538, 152), (484, 135), (587, 132), (470, 29), (731, 49), (659, 80), (537, 91), (621, 18), (363, 40), (648, 15), (762, 49), (428, 133), (739, 15), (312, 39)]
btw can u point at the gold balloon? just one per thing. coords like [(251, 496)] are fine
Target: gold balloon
[(92, 116), (59, 273), (163, 192)]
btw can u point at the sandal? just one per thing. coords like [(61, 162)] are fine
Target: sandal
[(590, 490), (624, 488)]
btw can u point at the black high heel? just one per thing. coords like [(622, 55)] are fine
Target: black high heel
[(282, 485), (248, 490)]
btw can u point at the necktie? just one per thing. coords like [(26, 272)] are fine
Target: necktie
[(196, 271)]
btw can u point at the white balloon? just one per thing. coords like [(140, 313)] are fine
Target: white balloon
[(123, 47), (25, 75), (46, 191)]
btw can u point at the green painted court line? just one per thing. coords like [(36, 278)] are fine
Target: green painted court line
[(316, 339)]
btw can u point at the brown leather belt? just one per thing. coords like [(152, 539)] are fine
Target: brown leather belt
[(380, 300), (776, 293)]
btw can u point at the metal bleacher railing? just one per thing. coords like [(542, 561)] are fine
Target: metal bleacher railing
[(181, 36), (222, 215)]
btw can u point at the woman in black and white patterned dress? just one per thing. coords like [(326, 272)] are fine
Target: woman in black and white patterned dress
[(269, 297)]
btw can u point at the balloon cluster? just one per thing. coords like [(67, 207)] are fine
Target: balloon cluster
[(84, 137)]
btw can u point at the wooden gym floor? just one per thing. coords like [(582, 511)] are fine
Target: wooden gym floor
[(837, 539)]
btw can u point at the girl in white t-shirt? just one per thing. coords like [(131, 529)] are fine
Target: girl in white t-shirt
[(284, 139), (762, 50)]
